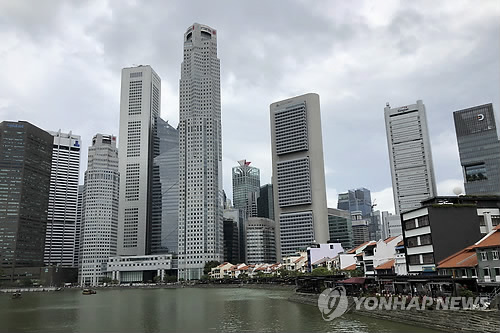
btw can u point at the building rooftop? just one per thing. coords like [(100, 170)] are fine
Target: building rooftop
[(386, 265), (352, 251)]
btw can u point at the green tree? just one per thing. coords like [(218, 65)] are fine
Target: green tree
[(170, 278), (321, 271), (358, 272), (209, 265), (157, 279), (105, 279), (283, 272)]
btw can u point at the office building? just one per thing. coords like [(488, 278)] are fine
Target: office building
[(60, 237), (234, 248), (356, 200), (298, 174), (200, 154), (100, 209), (360, 229), (340, 227), (246, 187), (391, 225), (410, 155), (166, 203), (265, 202), (445, 225), (25, 162), (79, 226), (140, 102), (479, 149), (260, 241)]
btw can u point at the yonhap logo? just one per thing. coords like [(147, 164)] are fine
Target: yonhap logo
[(332, 303)]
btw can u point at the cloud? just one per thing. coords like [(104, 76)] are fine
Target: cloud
[(384, 200)]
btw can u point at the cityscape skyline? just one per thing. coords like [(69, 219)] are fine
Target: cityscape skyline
[(432, 74)]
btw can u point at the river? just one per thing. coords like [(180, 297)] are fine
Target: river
[(176, 310)]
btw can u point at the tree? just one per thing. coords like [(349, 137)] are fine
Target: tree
[(157, 279), (321, 271), (209, 265), (283, 272), (169, 278), (358, 272), (105, 279)]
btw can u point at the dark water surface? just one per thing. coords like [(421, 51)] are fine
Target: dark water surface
[(173, 310)]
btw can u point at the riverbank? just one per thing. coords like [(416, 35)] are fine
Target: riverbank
[(470, 321)]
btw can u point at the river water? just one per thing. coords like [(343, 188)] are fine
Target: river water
[(173, 310)]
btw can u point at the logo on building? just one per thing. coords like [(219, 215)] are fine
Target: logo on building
[(76, 144), (480, 117), (332, 303)]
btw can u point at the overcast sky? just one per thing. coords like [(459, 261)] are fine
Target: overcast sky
[(61, 63)]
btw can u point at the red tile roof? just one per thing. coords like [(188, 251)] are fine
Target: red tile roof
[(386, 265), (491, 240), (401, 243), (464, 258), (350, 268), (299, 259), (358, 247), (387, 240)]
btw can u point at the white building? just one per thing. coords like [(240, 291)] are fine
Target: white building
[(298, 174), (139, 109), (409, 155), (60, 236), (100, 209), (391, 225), (377, 253), (200, 157), (322, 251), (139, 268)]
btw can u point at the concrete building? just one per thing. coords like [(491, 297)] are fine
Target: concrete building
[(360, 229), (410, 155), (298, 174), (246, 188), (138, 269), (237, 216), (319, 252), (60, 237), (25, 162), (265, 202), (100, 209), (200, 156), (260, 240), (479, 149), (427, 230), (165, 227), (356, 200), (340, 227), (391, 225), (376, 254), (140, 102), (79, 228), (232, 240)]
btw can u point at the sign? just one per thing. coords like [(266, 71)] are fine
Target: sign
[(404, 108), (480, 117)]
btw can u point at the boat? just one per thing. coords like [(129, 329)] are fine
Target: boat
[(17, 294), (88, 292)]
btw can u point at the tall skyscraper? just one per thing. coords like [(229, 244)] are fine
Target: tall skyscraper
[(265, 202), (260, 241), (246, 188), (166, 204), (410, 155), (60, 238), (138, 146), (100, 209), (340, 227), (78, 233), (298, 174), (360, 229), (200, 154), (356, 200), (479, 149), (25, 162)]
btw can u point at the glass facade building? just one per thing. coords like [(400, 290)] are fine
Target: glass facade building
[(356, 200), (246, 188), (260, 241), (479, 149), (340, 227), (265, 202), (25, 164)]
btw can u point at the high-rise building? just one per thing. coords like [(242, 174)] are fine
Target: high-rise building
[(391, 225), (100, 209), (356, 200), (340, 227), (79, 234), (265, 202), (234, 248), (410, 155), (25, 162), (138, 146), (246, 188), (60, 237), (200, 154), (360, 229), (260, 241), (298, 174), (479, 149), (166, 203)]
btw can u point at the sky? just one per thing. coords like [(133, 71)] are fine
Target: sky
[(62, 63)]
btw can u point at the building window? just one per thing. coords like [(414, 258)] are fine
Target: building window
[(411, 242), (428, 258), (482, 223), (497, 271), (475, 172), (494, 254), (410, 224), (486, 272), (484, 257), (495, 220), (474, 272), (425, 239), (414, 260), (423, 221)]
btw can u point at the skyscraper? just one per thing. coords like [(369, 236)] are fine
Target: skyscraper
[(340, 227), (265, 202), (410, 155), (100, 209), (138, 146), (298, 174), (60, 238), (356, 200), (479, 148), (78, 233), (200, 153), (25, 162), (246, 188), (260, 241), (166, 204)]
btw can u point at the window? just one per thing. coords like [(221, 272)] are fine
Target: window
[(414, 260), (494, 254), (474, 272), (425, 239), (481, 221), (428, 258), (475, 172), (486, 272), (484, 257), (495, 220), (410, 224), (497, 271), (423, 221), (411, 242)]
